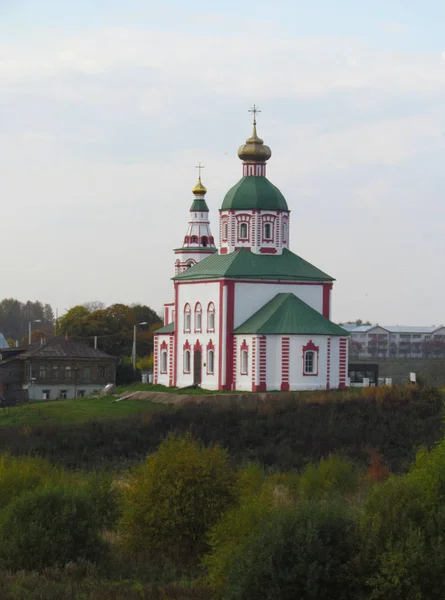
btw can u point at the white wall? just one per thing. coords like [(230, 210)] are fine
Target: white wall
[(250, 297), (204, 293), (244, 382)]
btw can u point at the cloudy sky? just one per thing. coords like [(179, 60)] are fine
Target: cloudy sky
[(106, 106)]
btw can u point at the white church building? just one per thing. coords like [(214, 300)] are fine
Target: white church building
[(250, 315)]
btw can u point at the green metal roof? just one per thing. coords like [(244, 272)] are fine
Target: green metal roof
[(199, 205), (254, 193), (244, 264), (287, 314), (170, 328)]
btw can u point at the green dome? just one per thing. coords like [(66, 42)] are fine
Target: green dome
[(254, 193)]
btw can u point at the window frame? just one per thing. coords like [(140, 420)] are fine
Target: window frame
[(241, 226), (198, 314), (164, 355), (267, 228), (210, 313), (186, 368), (187, 318), (210, 363), (244, 361)]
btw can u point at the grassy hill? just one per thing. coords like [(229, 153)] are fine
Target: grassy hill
[(283, 432)]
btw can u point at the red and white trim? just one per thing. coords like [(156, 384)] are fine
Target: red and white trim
[(262, 386), (328, 363), (254, 169), (285, 351), (343, 363), (311, 347)]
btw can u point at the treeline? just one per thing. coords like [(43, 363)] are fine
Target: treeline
[(112, 325), (190, 523), (15, 317)]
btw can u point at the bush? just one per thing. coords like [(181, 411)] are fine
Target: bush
[(333, 475), (105, 496), (49, 526), (19, 475), (306, 553), (175, 497)]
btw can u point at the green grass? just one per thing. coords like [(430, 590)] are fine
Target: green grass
[(80, 410)]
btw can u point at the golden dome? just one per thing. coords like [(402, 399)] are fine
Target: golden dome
[(254, 150), (199, 189)]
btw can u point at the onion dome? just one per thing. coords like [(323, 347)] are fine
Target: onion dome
[(199, 189), (254, 150), (254, 193)]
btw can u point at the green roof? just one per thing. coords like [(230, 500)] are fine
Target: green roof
[(287, 314), (170, 328), (199, 205), (244, 264), (254, 193)]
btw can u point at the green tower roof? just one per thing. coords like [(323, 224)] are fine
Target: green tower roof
[(254, 193), (287, 314), (244, 264), (199, 205)]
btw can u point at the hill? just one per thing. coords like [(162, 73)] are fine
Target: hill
[(282, 432)]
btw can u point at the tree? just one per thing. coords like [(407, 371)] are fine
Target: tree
[(175, 497), (94, 305), (304, 553), (49, 526)]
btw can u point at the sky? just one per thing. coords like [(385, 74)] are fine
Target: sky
[(106, 107)]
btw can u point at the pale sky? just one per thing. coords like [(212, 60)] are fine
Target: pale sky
[(106, 107)]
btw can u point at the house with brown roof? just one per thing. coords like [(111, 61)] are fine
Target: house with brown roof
[(57, 368)]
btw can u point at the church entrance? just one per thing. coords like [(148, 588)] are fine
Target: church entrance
[(197, 367)]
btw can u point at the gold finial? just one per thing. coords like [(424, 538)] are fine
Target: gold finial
[(199, 189), (254, 150)]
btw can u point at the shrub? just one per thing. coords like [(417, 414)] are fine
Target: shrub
[(332, 475), (305, 553), (19, 475), (105, 496), (49, 526), (175, 497)]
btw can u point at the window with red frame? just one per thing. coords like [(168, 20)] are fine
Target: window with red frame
[(198, 317), (187, 318), (211, 317)]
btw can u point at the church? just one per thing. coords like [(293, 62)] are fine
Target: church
[(249, 315)]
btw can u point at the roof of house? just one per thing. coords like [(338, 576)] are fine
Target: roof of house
[(166, 329), (254, 193), (244, 264), (392, 328), (59, 347), (287, 314)]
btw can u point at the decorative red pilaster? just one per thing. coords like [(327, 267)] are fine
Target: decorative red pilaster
[(155, 358), (171, 353), (343, 363), (327, 287), (328, 364), (285, 349), (262, 386)]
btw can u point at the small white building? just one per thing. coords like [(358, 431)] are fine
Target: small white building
[(253, 315)]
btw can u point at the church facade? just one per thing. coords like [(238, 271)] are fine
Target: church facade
[(250, 315)]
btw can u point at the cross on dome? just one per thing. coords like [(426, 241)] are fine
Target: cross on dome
[(200, 167), (254, 110)]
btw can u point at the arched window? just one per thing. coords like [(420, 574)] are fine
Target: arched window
[(198, 317), (204, 241), (187, 361), (243, 231), (309, 362), (164, 361), (189, 264), (310, 359), (211, 239), (244, 362), (187, 318), (194, 239), (211, 317), (267, 231), (210, 362), (285, 230), (225, 231)]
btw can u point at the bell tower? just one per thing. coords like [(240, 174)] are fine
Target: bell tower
[(198, 241)]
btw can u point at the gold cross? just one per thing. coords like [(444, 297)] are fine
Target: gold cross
[(254, 110), (200, 167)]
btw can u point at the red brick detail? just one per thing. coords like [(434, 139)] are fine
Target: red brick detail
[(262, 364), (328, 364), (223, 251), (343, 363), (268, 250), (155, 358), (235, 362), (253, 364), (285, 350), (171, 342)]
